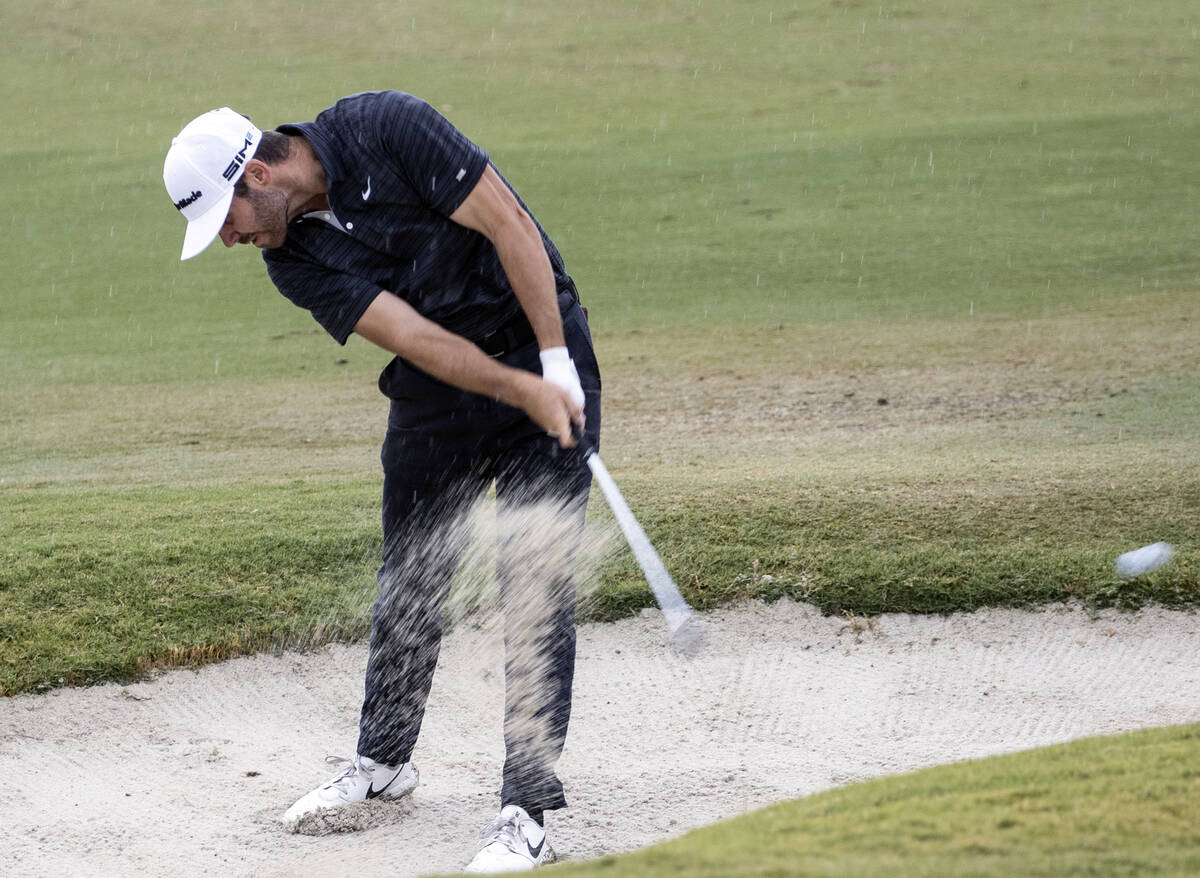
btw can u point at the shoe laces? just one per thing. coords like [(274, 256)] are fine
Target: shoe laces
[(507, 832), (351, 770)]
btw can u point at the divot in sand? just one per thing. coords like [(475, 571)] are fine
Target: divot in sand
[(354, 817)]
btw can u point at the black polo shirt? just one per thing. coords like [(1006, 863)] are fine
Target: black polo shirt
[(395, 169)]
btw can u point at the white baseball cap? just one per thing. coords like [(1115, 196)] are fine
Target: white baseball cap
[(204, 162)]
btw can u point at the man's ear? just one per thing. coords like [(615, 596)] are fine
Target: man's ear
[(257, 174)]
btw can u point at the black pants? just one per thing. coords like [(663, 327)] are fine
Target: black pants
[(444, 448)]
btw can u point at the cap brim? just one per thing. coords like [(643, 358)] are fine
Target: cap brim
[(202, 230)]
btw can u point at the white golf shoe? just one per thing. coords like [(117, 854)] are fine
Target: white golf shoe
[(362, 779), (516, 843)]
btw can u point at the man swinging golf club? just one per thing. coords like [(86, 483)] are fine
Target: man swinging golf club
[(382, 219)]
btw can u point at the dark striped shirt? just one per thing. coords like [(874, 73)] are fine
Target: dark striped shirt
[(395, 169)]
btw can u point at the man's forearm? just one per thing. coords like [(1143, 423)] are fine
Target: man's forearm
[(462, 364), (523, 256), (393, 325)]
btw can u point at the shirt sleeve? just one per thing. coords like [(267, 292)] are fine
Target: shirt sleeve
[(335, 299), (439, 162)]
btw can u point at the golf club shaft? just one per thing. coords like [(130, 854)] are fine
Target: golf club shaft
[(674, 607)]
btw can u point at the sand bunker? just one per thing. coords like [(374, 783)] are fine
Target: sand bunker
[(186, 774)]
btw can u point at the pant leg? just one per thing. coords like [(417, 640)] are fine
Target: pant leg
[(431, 486), (542, 493)]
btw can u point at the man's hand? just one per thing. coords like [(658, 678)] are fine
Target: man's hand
[(558, 368), (550, 407)]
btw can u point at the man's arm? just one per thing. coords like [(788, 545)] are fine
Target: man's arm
[(492, 210), (394, 325)]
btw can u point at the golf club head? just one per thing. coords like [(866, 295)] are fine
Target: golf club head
[(688, 635)]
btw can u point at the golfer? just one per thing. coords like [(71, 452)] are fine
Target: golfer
[(382, 219)]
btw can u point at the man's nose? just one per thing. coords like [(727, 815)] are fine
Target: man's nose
[(229, 237)]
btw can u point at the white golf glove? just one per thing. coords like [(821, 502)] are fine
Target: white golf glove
[(558, 368)]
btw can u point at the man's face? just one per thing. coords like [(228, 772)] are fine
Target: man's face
[(258, 218)]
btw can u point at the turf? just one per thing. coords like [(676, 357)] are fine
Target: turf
[(1116, 806), (895, 305)]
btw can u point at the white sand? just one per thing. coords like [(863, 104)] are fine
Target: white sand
[(185, 774)]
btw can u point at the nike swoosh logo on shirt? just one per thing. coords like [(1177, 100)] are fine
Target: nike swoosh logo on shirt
[(366, 193)]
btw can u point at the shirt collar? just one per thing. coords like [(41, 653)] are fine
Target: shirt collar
[(327, 152)]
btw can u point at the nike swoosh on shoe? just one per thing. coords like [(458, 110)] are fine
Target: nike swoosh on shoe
[(372, 792)]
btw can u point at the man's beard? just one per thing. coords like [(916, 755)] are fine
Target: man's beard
[(270, 214)]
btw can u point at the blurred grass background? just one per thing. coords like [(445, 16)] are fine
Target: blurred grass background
[(895, 305)]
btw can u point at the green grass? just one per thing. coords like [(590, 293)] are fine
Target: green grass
[(1115, 806), (187, 576), (779, 216)]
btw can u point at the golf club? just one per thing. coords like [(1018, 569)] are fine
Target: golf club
[(684, 629)]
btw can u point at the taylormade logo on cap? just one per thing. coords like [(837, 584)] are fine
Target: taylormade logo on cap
[(204, 162), (184, 202)]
